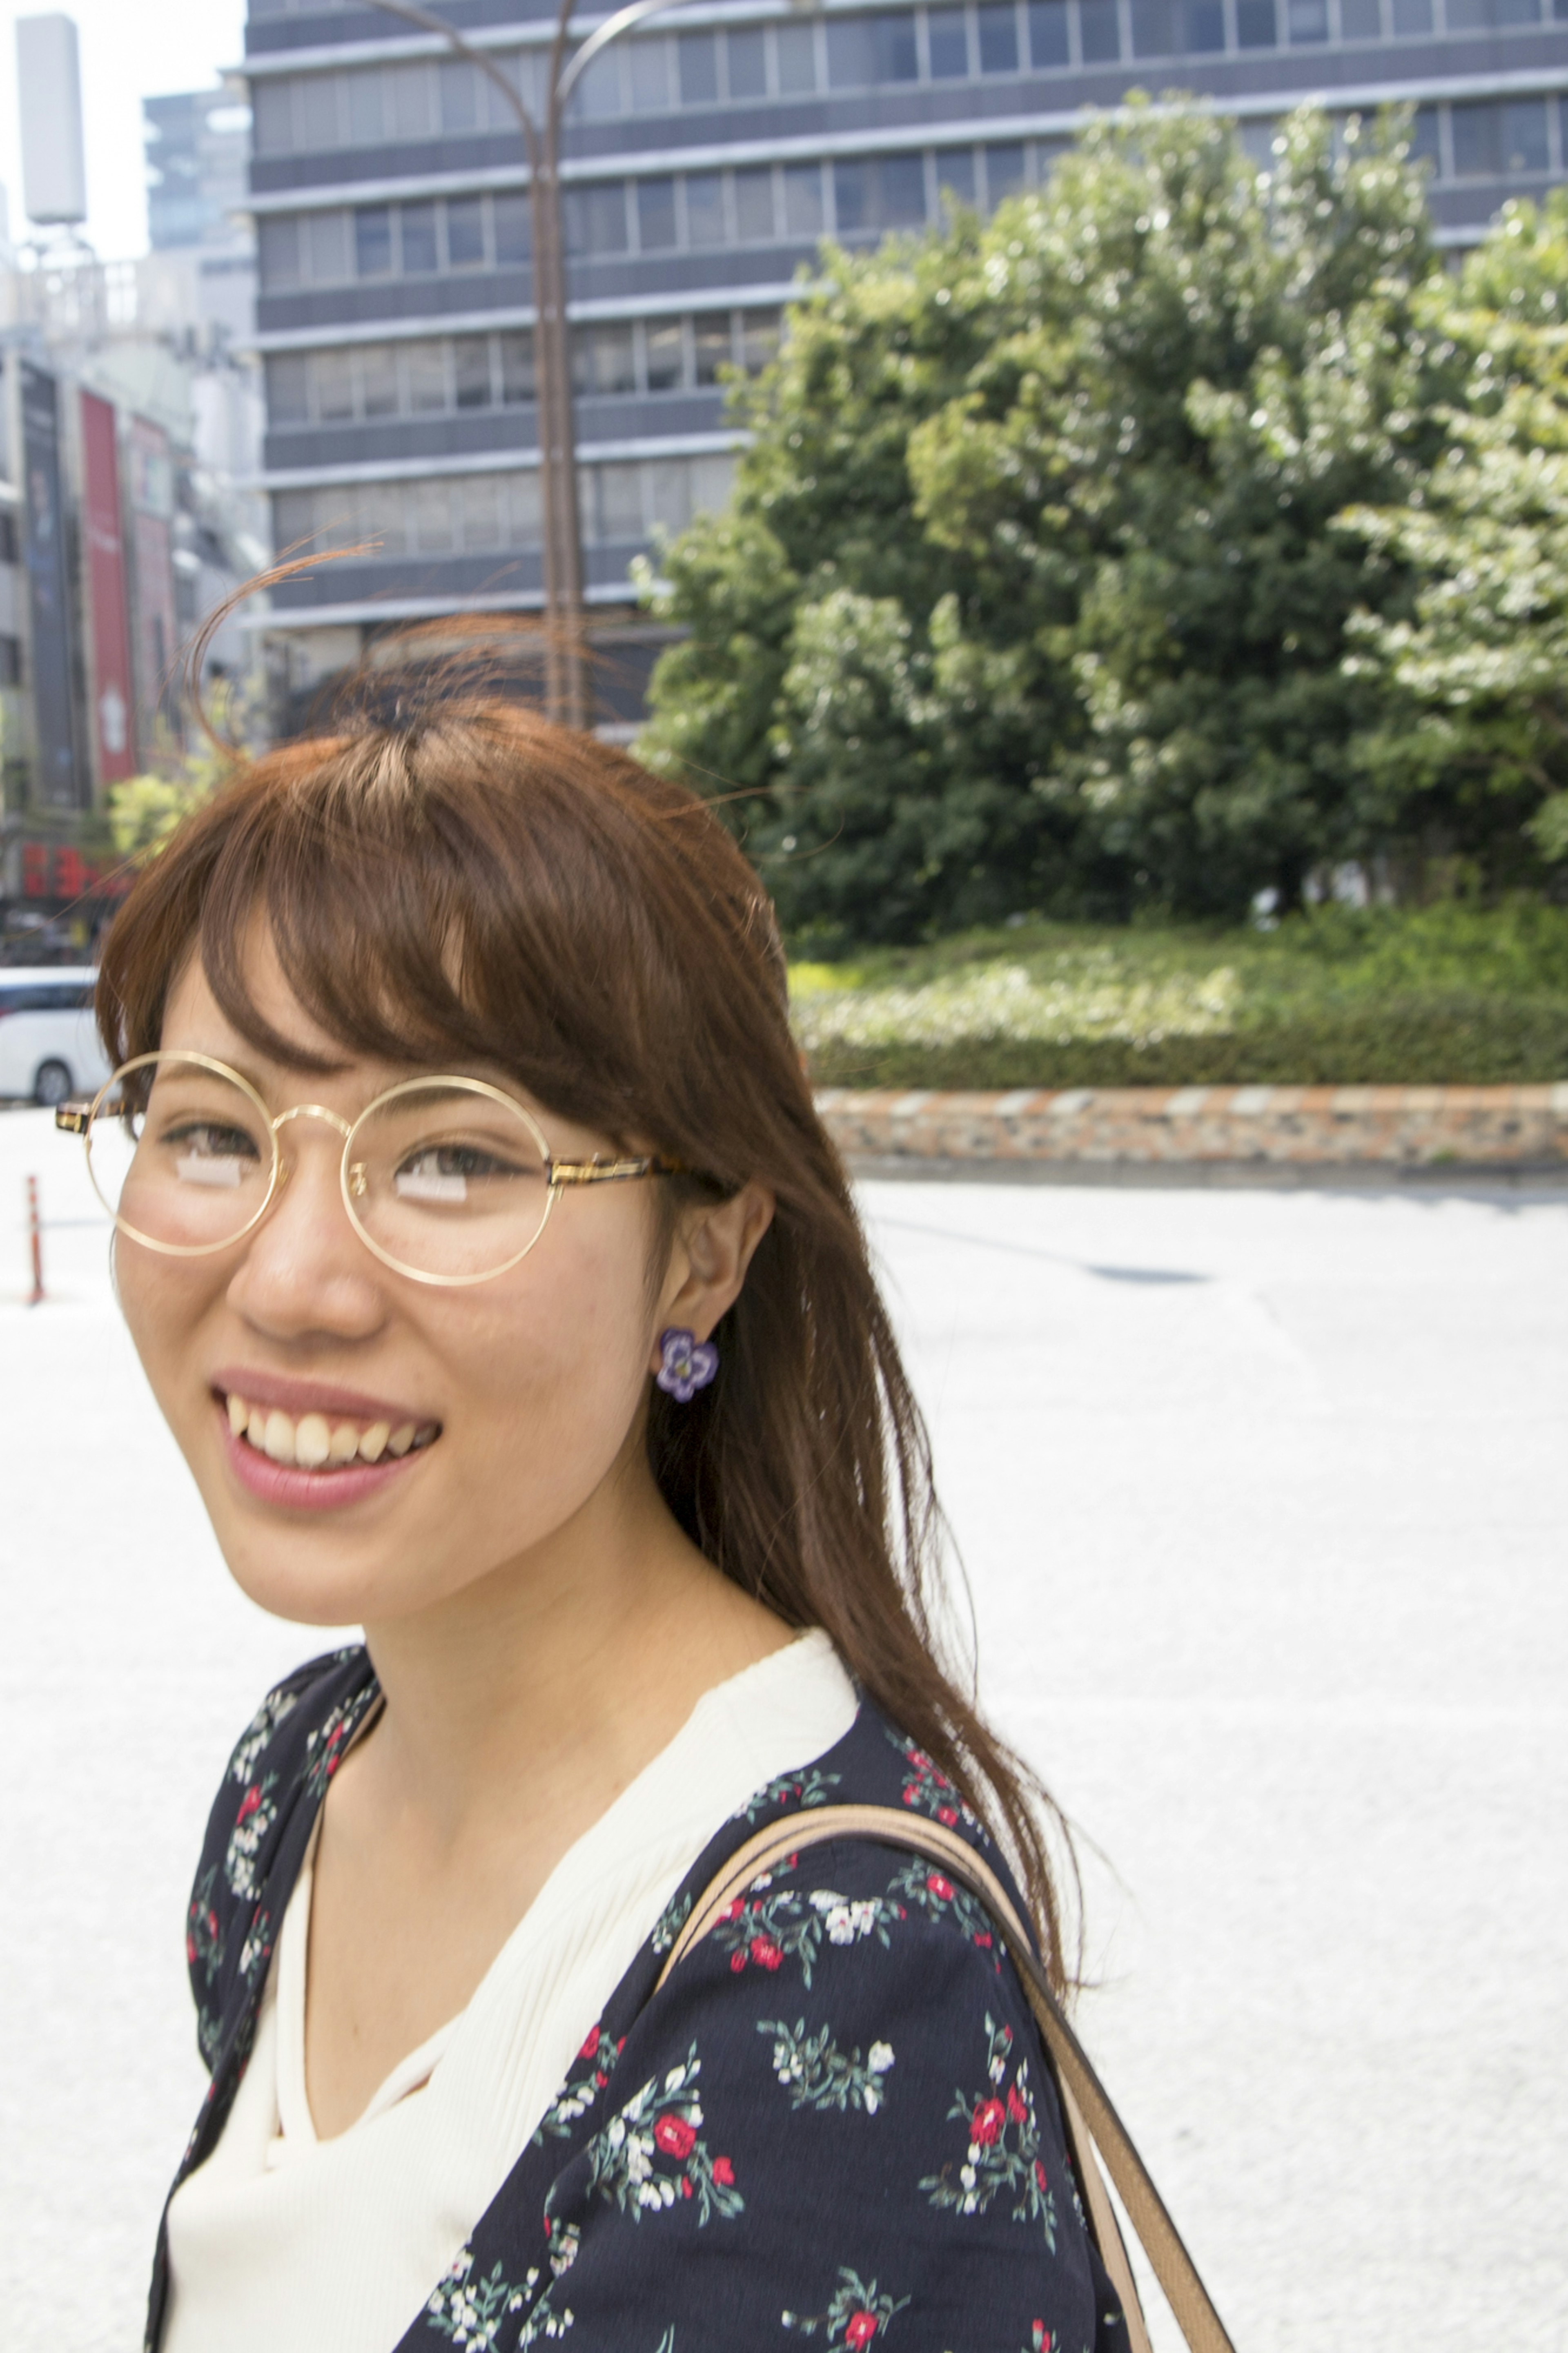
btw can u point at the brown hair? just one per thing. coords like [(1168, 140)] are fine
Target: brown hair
[(463, 880)]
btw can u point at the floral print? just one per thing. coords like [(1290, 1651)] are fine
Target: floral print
[(925, 1885), (771, 1924), (652, 2154), (596, 2058), (258, 1812), (726, 2163), (927, 1787), (817, 2074), (1004, 2154), (858, 2314), (791, 1790)]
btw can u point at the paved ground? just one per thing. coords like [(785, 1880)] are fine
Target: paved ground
[(1262, 1499)]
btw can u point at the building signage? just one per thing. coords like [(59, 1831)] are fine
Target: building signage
[(156, 632), (56, 782), (113, 739)]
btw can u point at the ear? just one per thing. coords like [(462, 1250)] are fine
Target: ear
[(707, 1264)]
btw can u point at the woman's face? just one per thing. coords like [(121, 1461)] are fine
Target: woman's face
[(522, 1392)]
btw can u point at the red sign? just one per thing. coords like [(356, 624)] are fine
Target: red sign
[(157, 647), (113, 737), (62, 872)]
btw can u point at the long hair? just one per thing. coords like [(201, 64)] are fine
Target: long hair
[(455, 878)]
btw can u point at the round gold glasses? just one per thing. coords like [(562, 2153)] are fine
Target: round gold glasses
[(448, 1180)]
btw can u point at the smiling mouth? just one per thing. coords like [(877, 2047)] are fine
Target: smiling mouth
[(319, 1442)]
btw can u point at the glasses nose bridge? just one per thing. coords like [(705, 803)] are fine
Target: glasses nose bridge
[(314, 1111)]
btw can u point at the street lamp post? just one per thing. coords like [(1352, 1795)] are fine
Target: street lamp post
[(566, 680)]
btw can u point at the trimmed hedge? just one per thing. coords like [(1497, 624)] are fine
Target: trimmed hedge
[(1443, 996)]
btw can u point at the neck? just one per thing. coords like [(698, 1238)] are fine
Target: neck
[(567, 1668)]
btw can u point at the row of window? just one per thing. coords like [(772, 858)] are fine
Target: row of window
[(491, 514), (436, 375), (438, 98), (1493, 139), (767, 204)]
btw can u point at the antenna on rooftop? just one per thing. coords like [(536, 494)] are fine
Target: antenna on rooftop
[(48, 80)]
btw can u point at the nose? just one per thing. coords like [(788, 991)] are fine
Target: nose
[(304, 1271)]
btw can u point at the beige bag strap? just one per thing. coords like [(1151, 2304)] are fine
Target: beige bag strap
[(1092, 2123)]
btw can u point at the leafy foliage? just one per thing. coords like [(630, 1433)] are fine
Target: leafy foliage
[(1469, 747), (1027, 594)]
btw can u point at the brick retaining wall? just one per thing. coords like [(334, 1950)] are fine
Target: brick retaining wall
[(1409, 1126)]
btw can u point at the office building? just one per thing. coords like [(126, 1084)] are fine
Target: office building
[(707, 156)]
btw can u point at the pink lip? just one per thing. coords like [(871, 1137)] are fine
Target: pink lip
[(309, 1491), (295, 1398)]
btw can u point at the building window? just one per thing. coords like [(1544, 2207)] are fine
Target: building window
[(465, 233), (373, 241), (1501, 139), (705, 208), (879, 193), (435, 376), (804, 214), (795, 45), (595, 218), (956, 174), (490, 513), (10, 658), (1048, 34), (746, 54), (511, 217), (865, 50), (699, 57), (1256, 25), (1099, 31), (998, 25), (755, 206), (420, 256)]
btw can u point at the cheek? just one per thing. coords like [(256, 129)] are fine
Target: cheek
[(162, 1302)]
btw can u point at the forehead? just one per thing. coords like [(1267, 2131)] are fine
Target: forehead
[(194, 1018)]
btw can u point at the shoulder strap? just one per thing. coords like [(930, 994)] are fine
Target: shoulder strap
[(1092, 2123)]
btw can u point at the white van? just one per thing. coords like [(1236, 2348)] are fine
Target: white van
[(49, 1045)]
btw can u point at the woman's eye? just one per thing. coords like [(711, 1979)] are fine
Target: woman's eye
[(204, 1139), (443, 1172)]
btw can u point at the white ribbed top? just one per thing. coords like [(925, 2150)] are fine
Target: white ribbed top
[(333, 2246)]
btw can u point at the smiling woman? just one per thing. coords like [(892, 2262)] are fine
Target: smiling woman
[(485, 1252)]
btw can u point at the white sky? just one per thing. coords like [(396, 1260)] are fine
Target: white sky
[(130, 49)]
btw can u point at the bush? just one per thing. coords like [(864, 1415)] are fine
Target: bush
[(1446, 996)]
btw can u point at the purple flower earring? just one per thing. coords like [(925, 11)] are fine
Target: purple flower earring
[(689, 1363)]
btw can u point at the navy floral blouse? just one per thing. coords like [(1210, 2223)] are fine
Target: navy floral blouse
[(835, 2122)]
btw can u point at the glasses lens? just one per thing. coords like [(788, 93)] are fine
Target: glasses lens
[(180, 1156), (447, 1181)]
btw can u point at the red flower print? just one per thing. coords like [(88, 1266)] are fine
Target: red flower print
[(766, 1953), (912, 1796), (675, 2137), (591, 2044), (1016, 2107), (737, 1962), (685, 2187), (940, 1887), (921, 1761), (985, 2124), (1039, 2176), (190, 1948), (1042, 2339), (948, 1814), (860, 2328), (248, 1805), (733, 1910), (600, 2079), (723, 2171)]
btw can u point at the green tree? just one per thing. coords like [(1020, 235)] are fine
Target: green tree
[(1469, 750), (1040, 602)]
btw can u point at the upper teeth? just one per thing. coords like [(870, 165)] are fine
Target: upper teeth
[(313, 1441)]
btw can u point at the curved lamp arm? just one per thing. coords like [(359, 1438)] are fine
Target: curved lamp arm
[(412, 15), (610, 30)]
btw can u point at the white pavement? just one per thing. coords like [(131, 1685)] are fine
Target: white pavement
[(1261, 1497)]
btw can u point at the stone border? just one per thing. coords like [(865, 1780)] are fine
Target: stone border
[(1410, 1127)]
